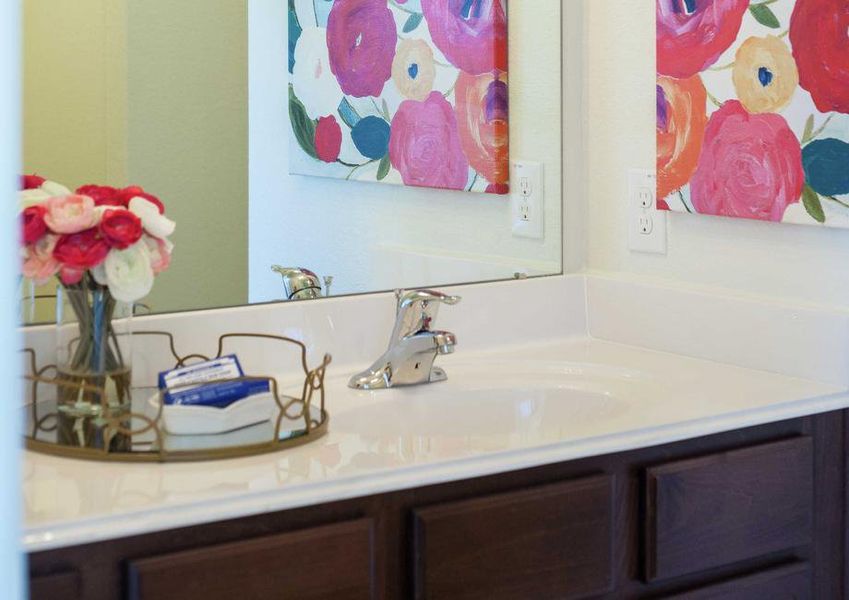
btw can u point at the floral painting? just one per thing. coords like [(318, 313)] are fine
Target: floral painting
[(753, 109), (411, 92)]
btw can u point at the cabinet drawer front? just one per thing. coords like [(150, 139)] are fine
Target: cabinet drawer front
[(325, 563), (538, 544), (61, 586), (788, 583), (728, 507)]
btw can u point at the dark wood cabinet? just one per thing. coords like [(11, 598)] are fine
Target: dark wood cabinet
[(545, 542), (754, 514), (728, 507), (787, 583), (58, 586), (323, 563)]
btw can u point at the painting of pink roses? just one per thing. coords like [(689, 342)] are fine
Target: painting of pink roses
[(408, 92), (753, 109)]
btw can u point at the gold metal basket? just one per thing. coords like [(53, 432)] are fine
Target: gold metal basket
[(137, 435)]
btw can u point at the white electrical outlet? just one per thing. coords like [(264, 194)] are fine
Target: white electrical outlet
[(646, 224), (527, 199)]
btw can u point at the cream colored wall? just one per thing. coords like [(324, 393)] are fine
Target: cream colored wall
[(74, 96), (154, 94), (788, 262), (188, 132)]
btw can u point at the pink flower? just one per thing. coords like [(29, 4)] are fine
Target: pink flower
[(71, 276), (691, 40), (160, 253), (361, 39), (472, 34), (750, 166), (425, 144), (69, 214), (39, 264)]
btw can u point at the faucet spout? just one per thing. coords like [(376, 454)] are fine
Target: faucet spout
[(413, 347)]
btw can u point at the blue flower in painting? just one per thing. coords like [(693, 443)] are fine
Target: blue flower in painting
[(826, 164), (294, 34), (371, 137)]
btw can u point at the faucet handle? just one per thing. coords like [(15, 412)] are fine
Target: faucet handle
[(413, 297), (417, 310)]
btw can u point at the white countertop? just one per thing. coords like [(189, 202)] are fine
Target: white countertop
[(515, 408)]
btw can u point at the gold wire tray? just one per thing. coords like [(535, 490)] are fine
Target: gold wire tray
[(138, 434)]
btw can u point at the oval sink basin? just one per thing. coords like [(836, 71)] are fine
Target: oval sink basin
[(496, 398)]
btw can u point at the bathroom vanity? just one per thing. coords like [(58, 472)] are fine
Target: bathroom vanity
[(568, 455), (754, 513)]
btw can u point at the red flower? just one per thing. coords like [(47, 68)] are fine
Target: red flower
[(135, 191), (328, 139), (818, 32), (691, 39), (103, 195), (750, 166), (32, 223), (120, 228), (81, 251), (31, 182)]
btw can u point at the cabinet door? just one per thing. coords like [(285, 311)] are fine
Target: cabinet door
[(325, 563), (788, 583), (536, 544), (61, 586), (728, 507)]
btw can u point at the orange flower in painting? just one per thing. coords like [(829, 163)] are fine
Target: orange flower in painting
[(482, 115), (681, 123)]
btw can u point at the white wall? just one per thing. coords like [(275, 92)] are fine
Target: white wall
[(797, 263), (365, 234), (11, 563)]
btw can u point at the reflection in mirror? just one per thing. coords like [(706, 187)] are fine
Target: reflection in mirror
[(189, 100)]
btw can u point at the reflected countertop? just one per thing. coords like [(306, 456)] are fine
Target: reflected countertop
[(500, 410)]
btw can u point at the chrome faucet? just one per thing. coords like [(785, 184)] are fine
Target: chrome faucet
[(413, 347), (299, 284)]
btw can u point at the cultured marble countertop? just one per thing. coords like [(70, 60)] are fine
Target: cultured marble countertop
[(503, 410)]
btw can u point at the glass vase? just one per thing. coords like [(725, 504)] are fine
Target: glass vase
[(94, 364)]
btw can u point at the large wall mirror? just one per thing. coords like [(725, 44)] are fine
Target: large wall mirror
[(189, 100)]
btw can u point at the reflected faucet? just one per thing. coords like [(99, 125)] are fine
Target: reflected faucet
[(299, 284), (413, 347)]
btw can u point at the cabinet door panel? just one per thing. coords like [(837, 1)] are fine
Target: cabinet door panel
[(325, 563), (537, 544), (789, 583), (728, 507), (61, 586)]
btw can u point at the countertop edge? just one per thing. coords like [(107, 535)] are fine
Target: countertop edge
[(83, 532)]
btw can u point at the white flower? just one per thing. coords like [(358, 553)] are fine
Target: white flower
[(55, 189), (314, 83), (154, 223), (128, 273), (49, 189)]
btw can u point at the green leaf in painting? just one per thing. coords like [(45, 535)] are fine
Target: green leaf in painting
[(383, 169), (809, 130), (764, 15), (413, 22), (813, 204), (302, 125), (385, 108)]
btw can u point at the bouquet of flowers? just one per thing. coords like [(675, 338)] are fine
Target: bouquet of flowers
[(106, 246), (98, 237)]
